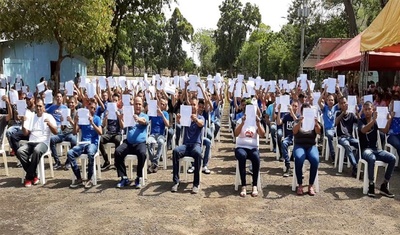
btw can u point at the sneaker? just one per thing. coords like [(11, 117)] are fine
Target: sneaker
[(138, 185), (286, 173), (124, 182), (190, 170), (385, 191), (19, 165), (175, 188), (195, 190), (27, 183), (354, 172), (67, 167), (274, 150), (12, 153), (35, 181), (281, 159), (206, 170), (153, 168), (57, 165), (371, 190), (88, 184), (105, 166), (77, 183)]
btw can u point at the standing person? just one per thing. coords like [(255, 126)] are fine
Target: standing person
[(39, 139), (191, 147), (90, 136), (135, 143), (305, 148), (247, 144), (368, 136)]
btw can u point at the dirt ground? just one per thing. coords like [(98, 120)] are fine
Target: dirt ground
[(339, 207)]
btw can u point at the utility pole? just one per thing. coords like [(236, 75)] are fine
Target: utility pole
[(303, 14), (259, 55)]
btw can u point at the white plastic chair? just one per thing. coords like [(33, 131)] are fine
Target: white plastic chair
[(3, 152), (63, 147), (294, 179), (339, 155), (186, 161), (237, 178), (390, 148)]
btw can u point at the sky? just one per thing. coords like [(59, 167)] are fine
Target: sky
[(205, 14)]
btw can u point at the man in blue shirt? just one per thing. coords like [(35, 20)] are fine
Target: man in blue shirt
[(191, 147), (90, 136), (135, 143), (55, 110)]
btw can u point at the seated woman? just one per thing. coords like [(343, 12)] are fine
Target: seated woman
[(394, 130), (247, 134), (305, 148)]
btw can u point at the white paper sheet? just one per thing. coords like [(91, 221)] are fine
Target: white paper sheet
[(210, 85), (285, 102), (91, 90), (186, 113), (152, 108), (176, 81), (126, 100), (41, 87), (69, 86), (122, 82), (331, 85), (13, 96), (102, 83), (28, 123), (308, 123), (250, 115), (83, 116), (352, 102), (342, 80), (21, 107), (200, 94), (3, 83), (65, 113), (292, 85), (170, 89), (192, 83), (238, 91), (182, 81), (18, 86), (396, 108), (128, 116), (272, 86), (368, 98), (111, 82), (2, 103), (240, 78), (312, 85), (303, 82), (48, 97), (316, 96), (111, 111), (382, 116)]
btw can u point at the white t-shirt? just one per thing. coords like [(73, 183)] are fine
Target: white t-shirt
[(40, 130), (248, 137)]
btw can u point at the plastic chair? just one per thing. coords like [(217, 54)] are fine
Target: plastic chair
[(390, 148), (294, 179), (3, 152), (237, 178), (186, 161), (339, 155), (63, 147)]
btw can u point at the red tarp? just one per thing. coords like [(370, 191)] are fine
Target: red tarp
[(348, 57)]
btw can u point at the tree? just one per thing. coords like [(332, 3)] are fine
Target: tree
[(204, 44), (74, 25), (178, 30), (234, 24)]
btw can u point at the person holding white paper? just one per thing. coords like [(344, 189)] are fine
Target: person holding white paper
[(368, 136), (5, 116), (135, 143), (90, 136), (54, 109), (43, 125), (394, 122), (305, 148), (191, 147), (65, 134), (113, 130)]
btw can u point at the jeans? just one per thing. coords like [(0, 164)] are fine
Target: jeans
[(72, 154), (284, 150), (394, 140), (191, 150), (272, 130), (29, 155), (347, 142), (253, 155), (14, 134), (217, 126), (372, 155), (153, 140), (300, 154), (178, 129), (207, 145), (330, 134), (279, 135), (169, 139), (126, 148), (109, 138), (55, 139)]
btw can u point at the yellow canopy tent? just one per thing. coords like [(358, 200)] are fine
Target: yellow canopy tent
[(384, 32)]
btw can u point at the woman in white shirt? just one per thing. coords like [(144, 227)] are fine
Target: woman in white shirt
[(247, 134)]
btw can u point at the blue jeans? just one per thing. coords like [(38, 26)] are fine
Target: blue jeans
[(55, 139), (217, 124), (192, 150), (177, 134), (372, 155), (72, 154), (253, 155), (152, 140), (207, 145), (300, 154), (347, 142), (272, 131), (279, 135), (330, 133), (138, 149), (284, 150), (395, 141), (14, 134)]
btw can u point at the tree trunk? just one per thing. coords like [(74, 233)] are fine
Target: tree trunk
[(96, 67), (348, 7)]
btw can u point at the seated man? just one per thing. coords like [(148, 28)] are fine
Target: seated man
[(43, 125), (65, 134), (191, 147), (135, 143), (113, 133), (368, 136), (90, 138), (344, 125), (287, 121), (157, 135)]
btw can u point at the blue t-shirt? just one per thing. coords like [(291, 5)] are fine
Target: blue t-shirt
[(329, 116), (100, 111), (270, 111), (215, 112), (395, 126), (54, 110), (138, 133), (157, 124), (89, 133), (192, 134)]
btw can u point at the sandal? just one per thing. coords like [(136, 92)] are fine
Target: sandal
[(243, 192), (254, 193), (300, 190), (311, 190)]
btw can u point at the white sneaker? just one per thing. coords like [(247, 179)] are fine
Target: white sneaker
[(190, 170), (206, 170)]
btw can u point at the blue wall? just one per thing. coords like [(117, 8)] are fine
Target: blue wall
[(32, 61)]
